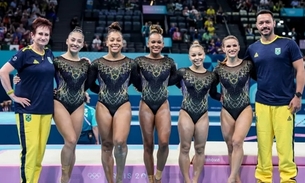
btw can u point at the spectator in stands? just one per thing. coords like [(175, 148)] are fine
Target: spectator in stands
[(3, 31), (211, 13), (212, 50), (145, 30), (211, 29), (6, 20), (172, 29), (276, 7), (192, 18), (97, 44), (249, 30), (207, 23), (89, 134), (264, 4), (20, 32), (186, 11), (218, 45), (199, 21), (206, 38), (33, 98), (219, 15), (22, 44), (186, 37), (51, 12), (177, 36), (196, 35), (8, 38)]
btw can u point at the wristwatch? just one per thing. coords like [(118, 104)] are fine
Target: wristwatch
[(298, 94)]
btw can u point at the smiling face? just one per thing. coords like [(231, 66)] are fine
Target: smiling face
[(155, 43), (41, 36), (114, 42), (196, 55), (75, 42), (265, 24), (231, 47)]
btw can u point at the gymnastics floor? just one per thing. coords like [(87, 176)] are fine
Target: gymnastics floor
[(88, 168)]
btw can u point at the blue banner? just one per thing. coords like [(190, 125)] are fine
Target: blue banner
[(155, 9), (292, 12)]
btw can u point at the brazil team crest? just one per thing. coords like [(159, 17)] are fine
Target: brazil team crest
[(28, 117), (277, 51), (50, 60)]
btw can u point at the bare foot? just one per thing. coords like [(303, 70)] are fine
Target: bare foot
[(231, 180), (157, 180)]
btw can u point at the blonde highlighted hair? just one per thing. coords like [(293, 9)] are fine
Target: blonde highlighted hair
[(196, 44), (155, 29), (222, 45)]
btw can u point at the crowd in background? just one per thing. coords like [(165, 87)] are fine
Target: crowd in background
[(16, 17)]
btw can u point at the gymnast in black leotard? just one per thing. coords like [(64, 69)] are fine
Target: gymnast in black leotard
[(114, 72), (70, 77), (236, 115), (195, 88), (114, 80), (156, 72), (155, 75), (196, 83), (235, 86)]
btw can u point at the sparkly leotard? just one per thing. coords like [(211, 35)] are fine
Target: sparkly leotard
[(155, 78), (195, 88), (235, 86), (70, 77), (114, 78)]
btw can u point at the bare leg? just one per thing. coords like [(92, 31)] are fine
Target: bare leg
[(77, 121), (227, 129), (104, 120), (186, 130), (65, 127), (242, 126), (147, 128), (201, 135), (163, 126), (121, 126)]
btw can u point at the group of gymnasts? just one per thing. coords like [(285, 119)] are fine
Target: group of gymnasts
[(36, 103)]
